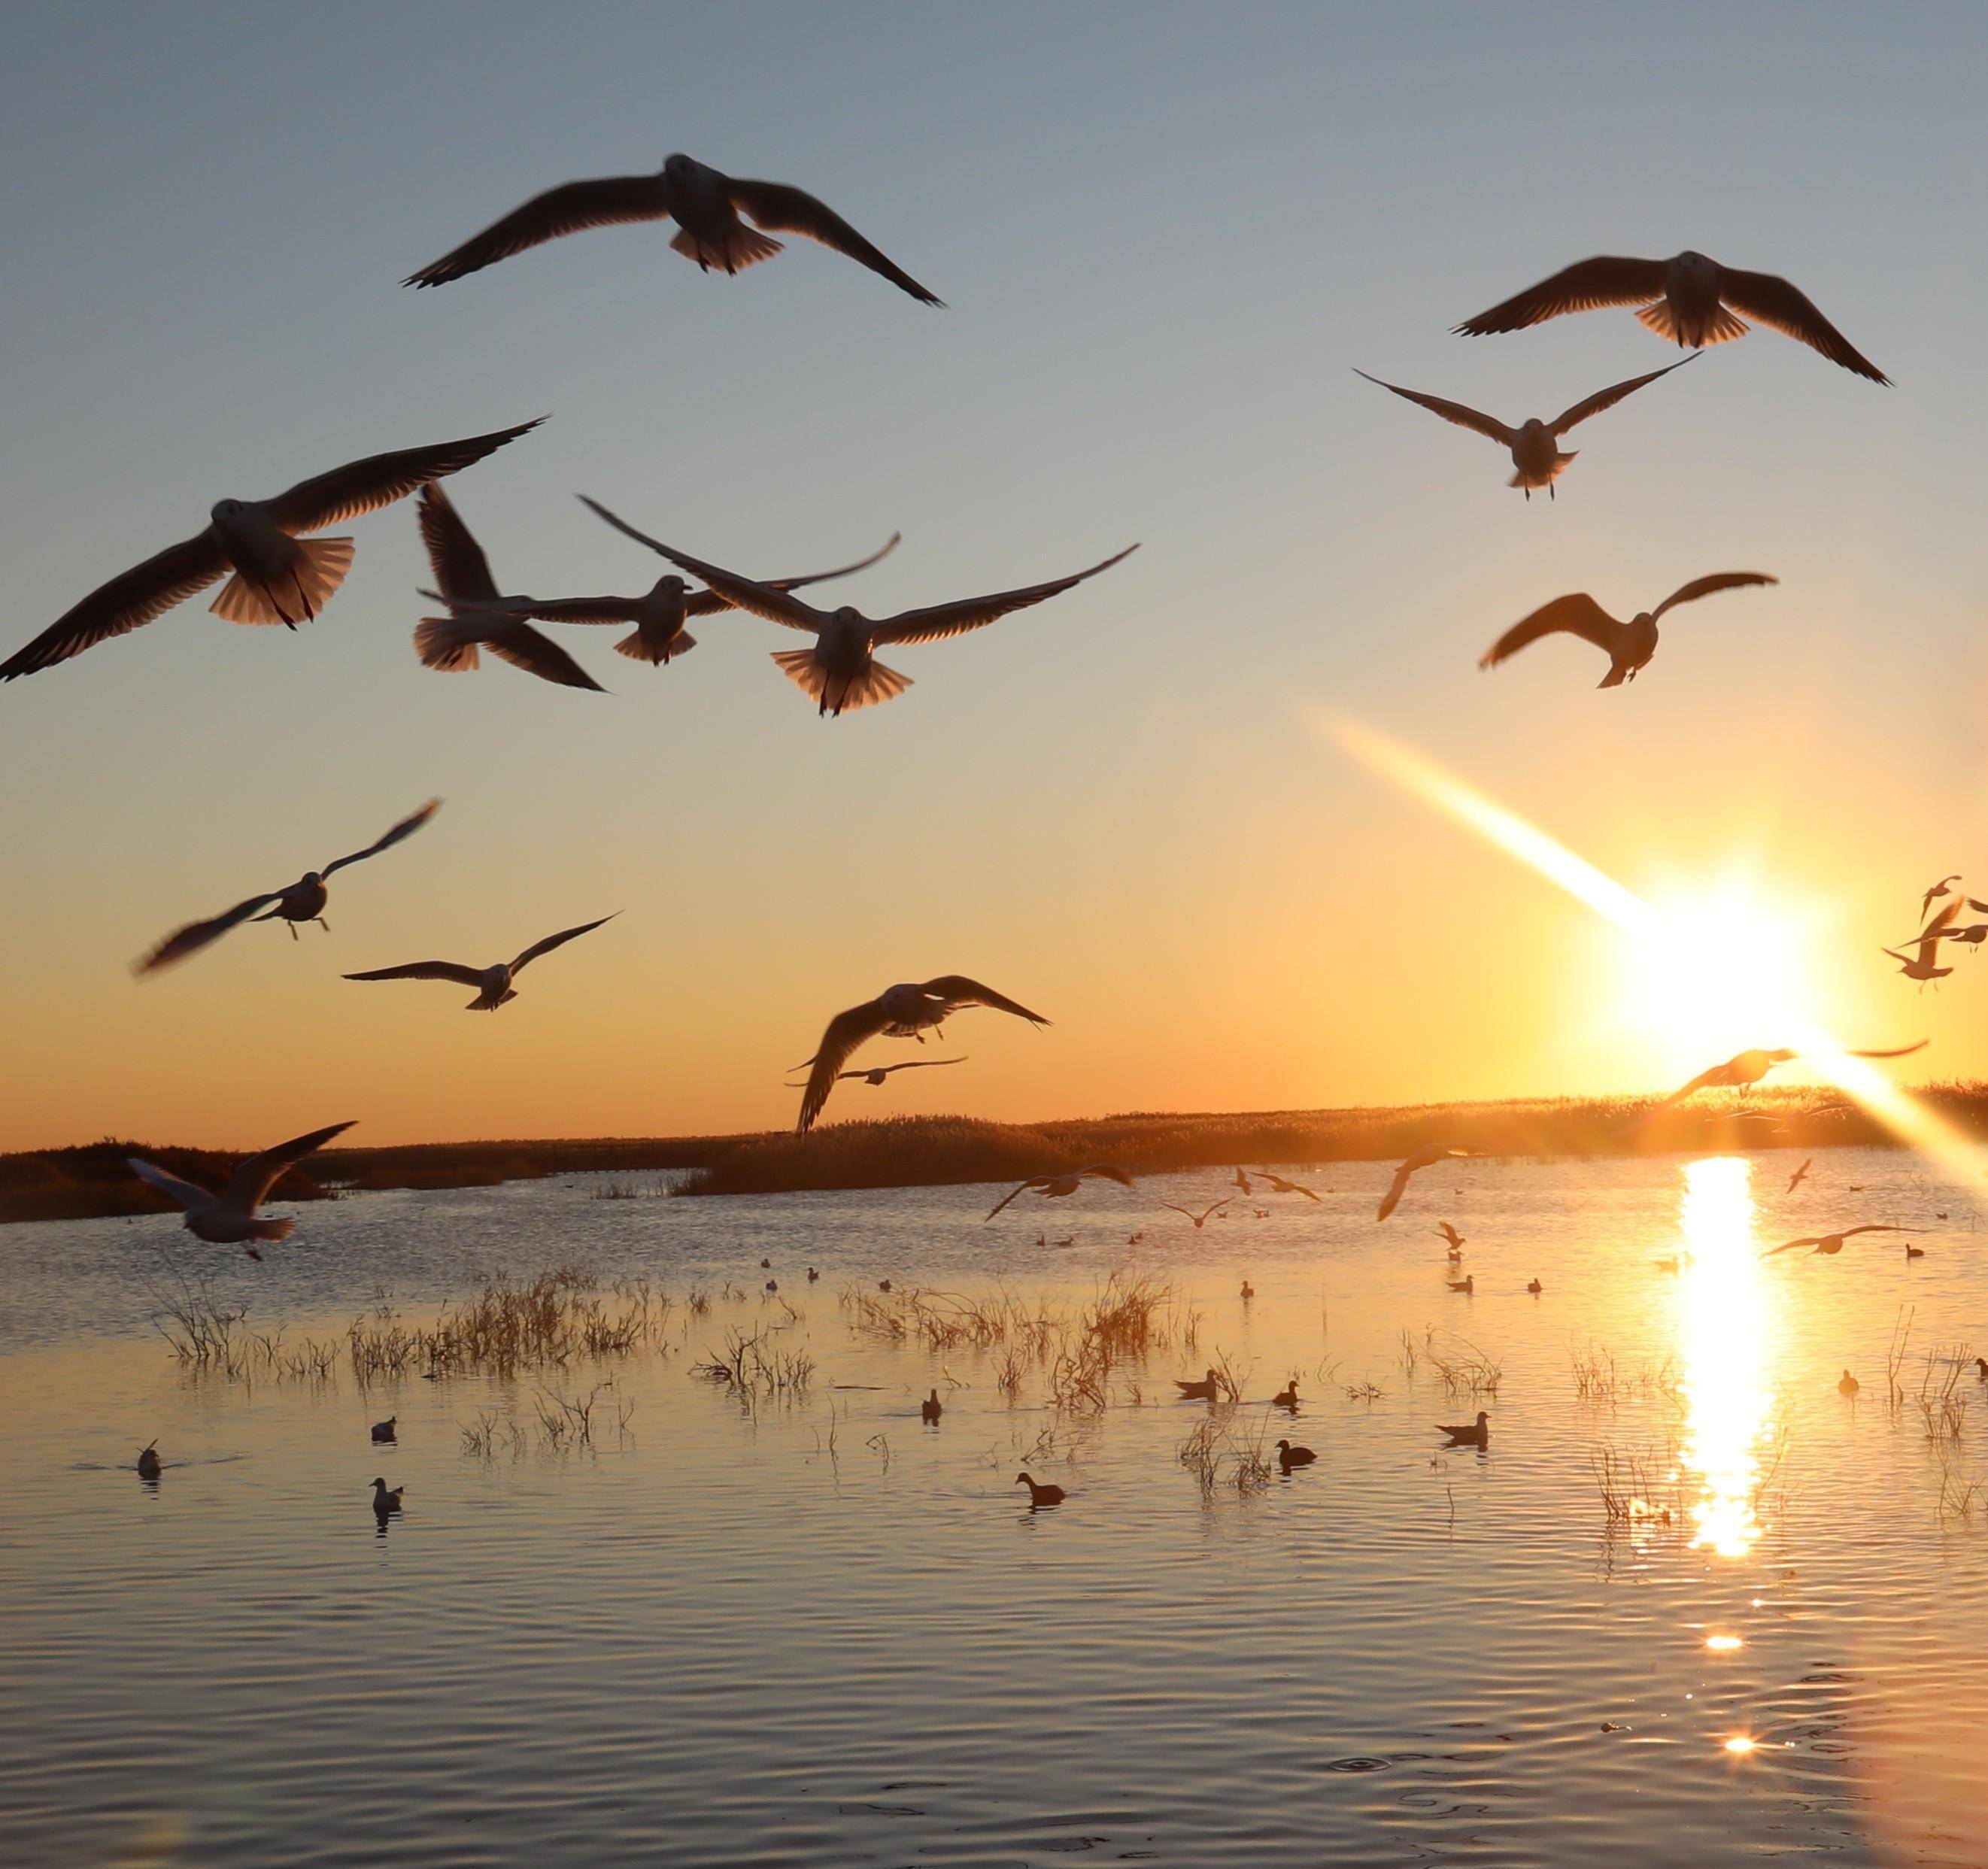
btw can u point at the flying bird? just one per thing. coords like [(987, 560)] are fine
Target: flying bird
[(1933, 894), (840, 671), (493, 983), (1800, 1175), (1426, 1156), (1685, 299), (302, 900), (1202, 1218), (278, 577), (1451, 1238), (1534, 445), (908, 1010), (660, 613), (1922, 964), (704, 203), (1241, 1180), (1829, 1243), (478, 617), (1749, 1067), (1055, 1186), (229, 1218), (1279, 1186), (1628, 646), (875, 1074)]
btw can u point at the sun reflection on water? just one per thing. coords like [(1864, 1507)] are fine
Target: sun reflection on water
[(1725, 1329)]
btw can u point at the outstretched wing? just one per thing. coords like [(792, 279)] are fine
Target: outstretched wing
[(524, 647), (1852, 1232), (580, 609), (1585, 286), (743, 593), (608, 201), (844, 1033), (1900, 1051), (130, 600), (1479, 423), (942, 620), (379, 479), (1607, 398), (1705, 586), (196, 935), (556, 941), (406, 828), (956, 990), (461, 571), (910, 1064), (786, 210), (1786, 309), (1791, 1246), (425, 970), (170, 1185), (1396, 1188), (1109, 1171), (1034, 1180), (252, 1179), (1577, 614), (889, 545)]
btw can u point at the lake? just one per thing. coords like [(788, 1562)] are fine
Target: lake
[(796, 1624)]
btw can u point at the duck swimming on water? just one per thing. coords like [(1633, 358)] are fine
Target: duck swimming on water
[(385, 1431), (386, 1502), (1849, 1385), (1289, 1456), (150, 1465), (1286, 1396), (1038, 1494), (1469, 1434), (931, 1407), (1206, 1390)]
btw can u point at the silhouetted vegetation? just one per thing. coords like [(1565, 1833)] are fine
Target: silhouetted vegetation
[(92, 1181)]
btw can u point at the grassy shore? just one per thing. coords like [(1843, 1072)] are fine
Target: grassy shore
[(930, 1151)]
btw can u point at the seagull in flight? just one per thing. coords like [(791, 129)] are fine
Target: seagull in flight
[(840, 671), (660, 613), (1279, 1186), (478, 618), (493, 983), (1057, 1187), (1201, 1219), (1426, 1156), (908, 1010), (1690, 299), (704, 203), (1628, 646), (302, 900), (1749, 1067), (1534, 445), (1922, 964), (1830, 1243), (874, 1075), (229, 1218), (1800, 1175), (1451, 1238), (1939, 889), (279, 576)]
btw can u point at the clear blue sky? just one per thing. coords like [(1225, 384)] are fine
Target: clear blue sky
[(1166, 235)]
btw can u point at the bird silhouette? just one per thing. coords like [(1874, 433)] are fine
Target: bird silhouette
[(1829, 1243), (1451, 1237), (494, 984), (931, 1407), (1800, 1175), (1426, 1156), (229, 1218), (1684, 299), (1038, 1494), (1059, 1186), (1628, 646), (1279, 1186), (386, 1430), (1201, 1219), (1470, 1433), (1289, 1456), (875, 1074), (1286, 1396), (1913, 1252), (1535, 1287), (150, 1465), (1849, 1385), (1467, 1285), (1533, 444), (1242, 1182), (1749, 1067), (385, 1502), (1207, 1389)]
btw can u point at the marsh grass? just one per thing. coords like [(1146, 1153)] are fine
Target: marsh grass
[(1224, 1455), (1638, 1486), (1460, 1366)]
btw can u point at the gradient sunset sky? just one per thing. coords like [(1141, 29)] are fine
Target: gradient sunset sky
[(1167, 235)]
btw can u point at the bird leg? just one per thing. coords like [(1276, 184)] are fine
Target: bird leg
[(322, 922), (292, 927)]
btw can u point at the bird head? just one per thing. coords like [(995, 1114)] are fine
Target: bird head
[(225, 509), (678, 164)]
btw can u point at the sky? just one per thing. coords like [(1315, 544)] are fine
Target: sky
[(1167, 236)]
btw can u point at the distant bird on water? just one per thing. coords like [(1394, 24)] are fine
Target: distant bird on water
[(1289, 1456), (1829, 1243), (1200, 1219), (1249, 1291), (1684, 299), (1749, 1067), (302, 900), (1038, 1494), (1535, 1287), (1279, 1186), (386, 1502), (1800, 1175), (1630, 646), (660, 613), (1467, 1285), (1426, 1156), (1913, 1252), (1207, 1389), (278, 577), (840, 672), (1533, 444), (908, 1010), (150, 1465), (1286, 1396), (1059, 1187), (386, 1430), (704, 203), (1849, 1385), (1470, 1433), (494, 983), (229, 1218)]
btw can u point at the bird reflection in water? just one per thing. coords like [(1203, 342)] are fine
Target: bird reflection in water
[(1724, 1326)]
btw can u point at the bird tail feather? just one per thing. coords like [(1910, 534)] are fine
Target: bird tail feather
[(739, 246), (1718, 326), (271, 1229), (299, 592), (840, 693), (442, 643), (638, 650)]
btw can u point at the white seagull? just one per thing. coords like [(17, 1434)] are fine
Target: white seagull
[(1059, 1186), (908, 1010), (1684, 299), (1426, 1156), (228, 1218), (1628, 646), (493, 983), (1534, 445), (704, 203), (278, 577), (660, 613), (840, 671), (302, 900)]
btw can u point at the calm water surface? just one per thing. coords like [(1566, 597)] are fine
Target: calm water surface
[(814, 1630)]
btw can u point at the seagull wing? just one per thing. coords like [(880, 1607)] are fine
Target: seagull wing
[(889, 545), (379, 479), (956, 990), (943, 619), (1851, 1232), (1577, 614), (610, 200), (910, 1064), (1899, 1051), (1110, 1171), (1607, 398), (1705, 586), (785, 209), (1487, 425), (1586, 286), (461, 571), (557, 941), (1788, 309), (1791, 1246), (426, 970), (249, 1185), (581, 609), (406, 828), (1035, 1180), (1717, 1074), (524, 647), (743, 594), (170, 1185), (196, 935), (131, 599), (1396, 1188), (839, 1041)]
